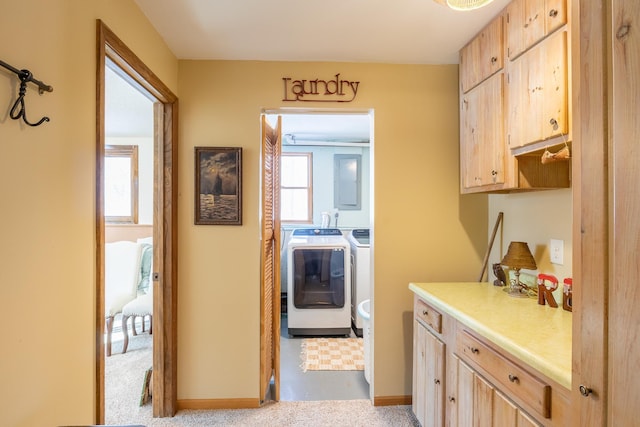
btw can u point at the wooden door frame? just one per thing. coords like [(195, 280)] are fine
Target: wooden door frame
[(165, 187), (591, 56)]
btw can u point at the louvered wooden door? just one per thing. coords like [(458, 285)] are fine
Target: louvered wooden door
[(270, 289)]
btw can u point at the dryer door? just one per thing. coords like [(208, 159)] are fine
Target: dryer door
[(318, 278)]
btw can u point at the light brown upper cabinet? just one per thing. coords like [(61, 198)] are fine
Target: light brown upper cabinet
[(483, 56), (512, 110), (538, 93), (482, 145), (529, 21)]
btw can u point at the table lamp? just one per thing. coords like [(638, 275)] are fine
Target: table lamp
[(518, 256)]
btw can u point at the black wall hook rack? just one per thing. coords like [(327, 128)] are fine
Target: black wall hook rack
[(18, 110)]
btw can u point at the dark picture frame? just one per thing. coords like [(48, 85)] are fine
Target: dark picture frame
[(218, 192)]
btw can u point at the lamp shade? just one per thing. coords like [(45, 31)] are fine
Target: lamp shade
[(519, 256)]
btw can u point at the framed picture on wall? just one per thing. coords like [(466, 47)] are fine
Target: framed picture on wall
[(218, 194)]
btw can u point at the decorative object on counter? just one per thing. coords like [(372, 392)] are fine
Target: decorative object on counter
[(19, 110), (486, 255), (567, 294), (545, 291), (518, 257), (501, 278)]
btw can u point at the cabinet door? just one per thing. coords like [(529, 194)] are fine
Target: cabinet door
[(435, 381), (465, 394), (452, 400), (418, 402), (529, 21), (537, 94), (482, 146), (480, 404), (483, 56), (525, 25), (428, 386), (506, 413), (523, 420), (555, 13)]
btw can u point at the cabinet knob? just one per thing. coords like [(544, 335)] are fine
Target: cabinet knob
[(553, 13), (494, 59), (474, 350), (513, 378), (585, 391), (554, 123), (425, 312), (437, 381), (494, 172), (452, 399)]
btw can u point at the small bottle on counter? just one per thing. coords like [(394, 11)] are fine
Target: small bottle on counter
[(567, 294)]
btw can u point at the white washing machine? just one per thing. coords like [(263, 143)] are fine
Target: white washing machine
[(360, 273), (318, 282)]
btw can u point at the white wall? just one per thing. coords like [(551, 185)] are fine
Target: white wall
[(323, 177), (145, 174)]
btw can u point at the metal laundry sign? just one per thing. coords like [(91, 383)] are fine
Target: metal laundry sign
[(317, 90)]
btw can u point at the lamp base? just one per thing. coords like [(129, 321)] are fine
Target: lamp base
[(516, 292), (516, 288)]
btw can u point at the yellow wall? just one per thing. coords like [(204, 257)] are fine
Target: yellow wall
[(47, 188), (423, 229)]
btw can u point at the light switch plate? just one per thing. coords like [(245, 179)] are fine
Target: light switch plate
[(556, 251)]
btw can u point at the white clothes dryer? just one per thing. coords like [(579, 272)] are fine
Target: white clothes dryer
[(318, 282)]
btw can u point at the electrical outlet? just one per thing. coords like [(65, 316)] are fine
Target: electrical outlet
[(556, 251)]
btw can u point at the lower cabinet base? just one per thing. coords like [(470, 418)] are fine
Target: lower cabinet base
[(459, 379)]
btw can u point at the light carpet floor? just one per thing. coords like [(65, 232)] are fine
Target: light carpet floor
[(124, 377), (349, 413), (124, 409)]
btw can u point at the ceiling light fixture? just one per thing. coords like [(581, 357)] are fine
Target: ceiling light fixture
[(464, 4)]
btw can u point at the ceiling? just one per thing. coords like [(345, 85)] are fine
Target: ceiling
[(380, 31), (127, 111)]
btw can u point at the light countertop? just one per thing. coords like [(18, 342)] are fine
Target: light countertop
[(538, 335)]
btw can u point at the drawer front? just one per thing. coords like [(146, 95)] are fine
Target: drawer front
[(428, 315), (512, 379)]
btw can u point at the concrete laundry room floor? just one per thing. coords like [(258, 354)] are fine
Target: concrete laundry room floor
[(296, 385)]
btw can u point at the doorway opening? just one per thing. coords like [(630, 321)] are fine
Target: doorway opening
[(151, 244), (129, 159), (326, 183)]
